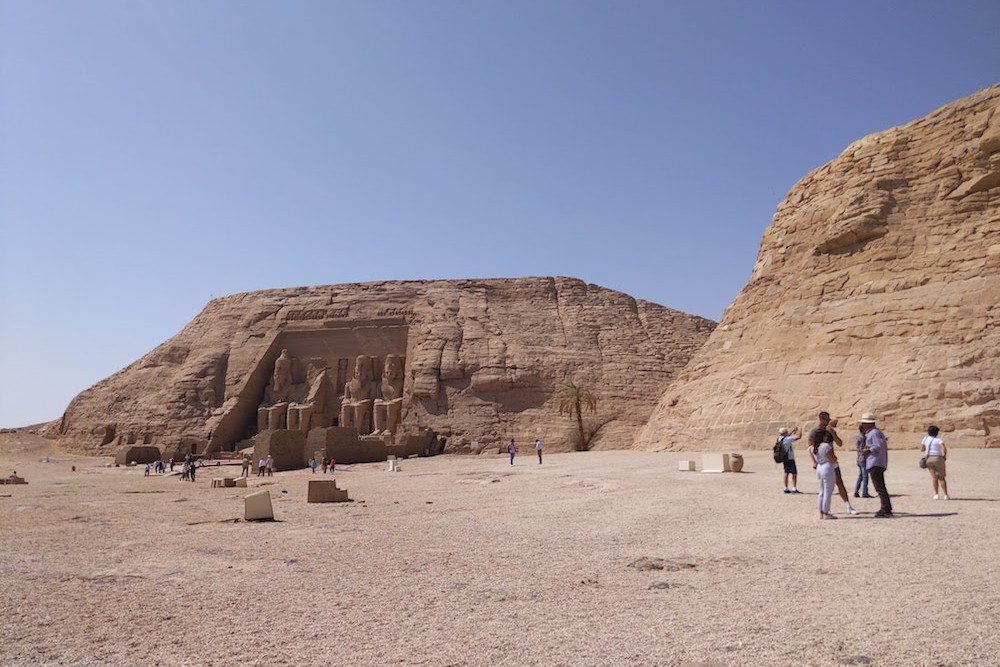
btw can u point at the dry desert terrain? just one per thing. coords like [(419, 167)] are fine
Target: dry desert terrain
[(595, 558)]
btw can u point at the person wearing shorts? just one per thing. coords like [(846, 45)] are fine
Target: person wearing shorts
[(936, 452)]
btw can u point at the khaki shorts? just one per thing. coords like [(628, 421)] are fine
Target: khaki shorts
[(935, 464)]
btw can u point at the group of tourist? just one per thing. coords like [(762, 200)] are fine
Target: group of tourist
[(157, 467), (872, 458), (512, 450), (327, 464), (265, 466)]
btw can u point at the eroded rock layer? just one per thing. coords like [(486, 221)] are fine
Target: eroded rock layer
[(480, 360), (876, 288)]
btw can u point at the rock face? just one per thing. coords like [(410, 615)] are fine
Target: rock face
[(480, 360), (876, 288)]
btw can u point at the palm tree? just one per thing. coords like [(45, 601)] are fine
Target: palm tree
[(574, 398)]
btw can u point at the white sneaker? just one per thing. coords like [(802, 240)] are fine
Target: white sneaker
[(851, 510), (946, 497), (935, 496)]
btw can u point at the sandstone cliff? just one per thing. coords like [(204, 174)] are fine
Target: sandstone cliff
[(875, 288), (483, 359)]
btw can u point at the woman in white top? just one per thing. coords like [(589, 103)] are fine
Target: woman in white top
[(826, 460), (936, 452)]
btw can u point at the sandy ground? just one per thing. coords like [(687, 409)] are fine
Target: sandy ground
[(467, 560)]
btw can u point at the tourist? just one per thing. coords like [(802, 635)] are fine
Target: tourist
[(246, 466), (511, 449), (171, 464), (538, 448), (333, 463), (826, 473), (193, 469), (816, 438), (861, 485), (184, 471), (147, 470), (270, 466), (326, 464), (876, 451), (260, 466), (936, 452), (313, 464), (788, 439)]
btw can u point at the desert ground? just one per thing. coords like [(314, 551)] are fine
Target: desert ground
[(592, 558)]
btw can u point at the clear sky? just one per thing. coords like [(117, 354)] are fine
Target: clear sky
[(156, 154)]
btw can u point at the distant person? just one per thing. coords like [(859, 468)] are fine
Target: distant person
[(876, 453), (816, 438), (788, 439), (246, 462), (936, 452), (261, 464), (193, 470), (326, 464), (171, 464), (512, 450), (538, 449), (826, 458), (148, 470), (333, 463), (270, 466), (861, 485), (313, 464), (185, 471)]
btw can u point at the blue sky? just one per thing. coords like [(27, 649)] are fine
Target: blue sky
[(154, 155)]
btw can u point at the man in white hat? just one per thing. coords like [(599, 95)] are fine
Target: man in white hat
[(876, 453)]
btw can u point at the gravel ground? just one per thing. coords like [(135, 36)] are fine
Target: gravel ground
[(596, 558)]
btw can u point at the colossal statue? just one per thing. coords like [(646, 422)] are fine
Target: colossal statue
[(389, 407), (313, 412), (281, 381), (359, 392)]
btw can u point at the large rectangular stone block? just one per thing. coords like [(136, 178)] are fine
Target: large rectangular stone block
[(715, 462), (686, 466), (257, 507), (241, 482), (326, 491)]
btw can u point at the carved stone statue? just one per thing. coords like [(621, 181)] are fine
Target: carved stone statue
[(281, 381), (311, 413), (389, 407), (359, 392)]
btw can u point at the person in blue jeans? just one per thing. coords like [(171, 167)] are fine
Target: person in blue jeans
[(511, 449), (862, 484)]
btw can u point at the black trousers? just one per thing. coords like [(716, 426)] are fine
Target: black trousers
[(877, 476)]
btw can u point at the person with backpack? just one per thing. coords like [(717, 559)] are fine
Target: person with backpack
[(784, 453)]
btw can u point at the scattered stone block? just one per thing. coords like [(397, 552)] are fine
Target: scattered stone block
[(241, 482), (257, 507), (686, 466), (13, 480), (217, 482), (715, 463), (228, 482), (326, 491)]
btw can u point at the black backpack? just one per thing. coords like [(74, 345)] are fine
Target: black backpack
[(779, 450)]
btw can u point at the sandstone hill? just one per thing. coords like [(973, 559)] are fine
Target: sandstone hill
[(876, 288), (481, 360)]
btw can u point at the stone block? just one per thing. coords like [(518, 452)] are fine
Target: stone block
[(326, 491), (217, 482), (228, 482), (686, 465), (715, 462), (240, 482), (257, 507)]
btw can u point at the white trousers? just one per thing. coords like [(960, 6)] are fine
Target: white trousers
[(827, 475)]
